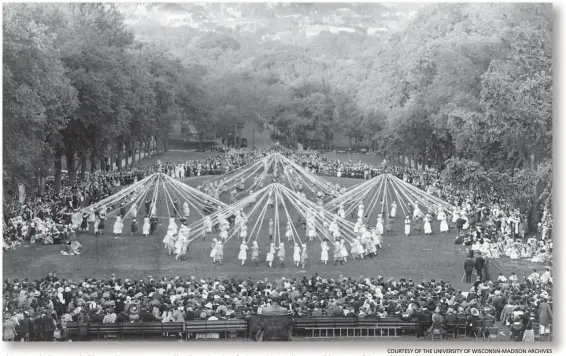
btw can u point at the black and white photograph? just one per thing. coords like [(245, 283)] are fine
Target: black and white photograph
[(219, 173)]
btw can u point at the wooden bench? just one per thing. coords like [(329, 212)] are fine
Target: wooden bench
[(331, 327), (216, 326), (140, 329)]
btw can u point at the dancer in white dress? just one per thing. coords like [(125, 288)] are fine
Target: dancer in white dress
[(311, 232), (219, 252), (393, 213), (172, 226), (118, 226), (207, 226), (379, 225), (281, 254), (343, 251), (443, 223), (427, 228), (341, 212), (186, 209), (297, 254), (407, 225), (358, 226), (213, 250), (146, 226), (243, 232), (243, 255), (182, 243), (255, 253), (271, 228), (455, 215), (417, 213), (304, 255), (324, 252), (289, 232), (270, 254), (361, 210)]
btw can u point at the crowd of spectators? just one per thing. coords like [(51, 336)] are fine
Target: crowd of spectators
[(41, 309)]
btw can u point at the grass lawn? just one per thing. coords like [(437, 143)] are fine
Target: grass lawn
[(417, 257)]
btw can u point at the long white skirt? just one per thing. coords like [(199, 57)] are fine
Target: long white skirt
[(297, 256), (379, 228), (407, 229), (213, 252), (393, 212), (427, 228), (145, 229), (324, 255), (269, 257), (242, 255), (443, 226), (118, 226)]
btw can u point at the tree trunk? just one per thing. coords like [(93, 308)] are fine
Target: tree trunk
[(165, 148), (41, 179), (127, 151), (133, 150), (70, 157), (93, 162), (200, 140), (534, 198), (83, 166), (120, 155), (140, 149)]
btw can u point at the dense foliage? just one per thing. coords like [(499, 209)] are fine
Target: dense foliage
[(466, 87)]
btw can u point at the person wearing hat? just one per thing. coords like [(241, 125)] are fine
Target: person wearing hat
[(468, 269), (479, 265), (473, 322)]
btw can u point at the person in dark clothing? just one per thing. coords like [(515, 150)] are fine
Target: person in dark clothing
[(422, 323), (498, 304), (147, 316), (122, 317), (468, 269), (48, 324), (25, 327), (478, 265)]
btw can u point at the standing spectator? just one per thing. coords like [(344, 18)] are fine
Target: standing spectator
[(9, 328), (544, 317), (48, 325), (498, 304), (468, 269), (478, 265), (25, 327)]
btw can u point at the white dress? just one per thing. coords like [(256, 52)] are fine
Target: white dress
[(407, 227), (243, 255), (207, 224), (243, 232), (145, 228), (118, 226), (393, 211), (186, 209), (270, 254), (455, 216), (297, 254), (324, 252), (289, 234), (379, 226), (213, 251), (427, 227), (343, 250), (444, 225)]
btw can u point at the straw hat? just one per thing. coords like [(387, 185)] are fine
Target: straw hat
[(475, 312)]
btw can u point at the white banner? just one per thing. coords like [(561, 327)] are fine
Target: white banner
[(22, 193)]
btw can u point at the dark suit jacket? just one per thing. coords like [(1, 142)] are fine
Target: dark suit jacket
[(479, 264), (468, 264)]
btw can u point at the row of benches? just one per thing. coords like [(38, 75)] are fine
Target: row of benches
[(314, 327)]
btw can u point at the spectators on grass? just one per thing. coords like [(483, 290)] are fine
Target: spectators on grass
[(179, 299)]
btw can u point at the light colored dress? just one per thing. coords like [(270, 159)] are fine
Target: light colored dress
[(297, 254), (145, 227), (324, 251), (407, 227), (427, 227), (118, 226), (243, 255)]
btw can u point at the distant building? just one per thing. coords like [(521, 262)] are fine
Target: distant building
[(315, 30)]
